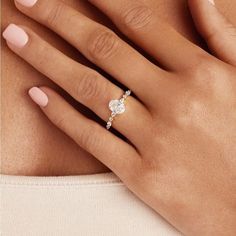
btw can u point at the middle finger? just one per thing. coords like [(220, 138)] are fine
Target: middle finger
[(98, 44), (83, 83)]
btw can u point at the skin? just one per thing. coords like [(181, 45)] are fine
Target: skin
[(36, 147), (34, 151), (183, 165)]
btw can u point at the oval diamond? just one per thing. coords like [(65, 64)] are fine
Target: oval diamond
[(117, 106)]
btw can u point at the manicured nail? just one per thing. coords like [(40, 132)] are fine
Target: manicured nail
[(38, 96), (15, 35), (212, 2), (27, 3)]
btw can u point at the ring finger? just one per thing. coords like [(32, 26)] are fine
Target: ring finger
[(84, 84), (99, 44)]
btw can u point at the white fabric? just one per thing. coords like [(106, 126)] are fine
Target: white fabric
[(90, 205)]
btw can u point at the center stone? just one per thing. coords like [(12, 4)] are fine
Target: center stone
[(117, 106)]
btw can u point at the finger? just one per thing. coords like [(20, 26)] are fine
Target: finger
[(218, 32), (97, 43), (84, 84), (140, 23), (102, 144)]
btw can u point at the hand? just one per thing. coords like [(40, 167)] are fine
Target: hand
[(181, 126)]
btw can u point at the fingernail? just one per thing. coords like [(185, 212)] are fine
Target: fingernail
[(212, 2), (38, 96), (15, 35), (27, 3)]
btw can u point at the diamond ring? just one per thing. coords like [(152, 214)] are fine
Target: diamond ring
[(117, 107)]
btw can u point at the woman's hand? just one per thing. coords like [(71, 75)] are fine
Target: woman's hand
[(181, 126)]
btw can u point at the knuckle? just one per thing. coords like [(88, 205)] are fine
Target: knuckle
[(89, 86), (188, 110), (103, 44), (149, 169), (215, 33), (203, 66), (89, 139), (204, 75), (53, 17), (60, 121), (137, 17), (43, 55)]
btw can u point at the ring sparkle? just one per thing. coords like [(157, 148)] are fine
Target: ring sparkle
[(117, 107)]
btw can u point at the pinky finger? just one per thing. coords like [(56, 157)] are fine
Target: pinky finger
[(112, 151)]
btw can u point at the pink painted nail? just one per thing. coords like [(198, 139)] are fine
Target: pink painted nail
[(15, 35), (27, 3), (38, 96), (212, 2)]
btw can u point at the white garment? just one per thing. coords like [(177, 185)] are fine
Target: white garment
[(90, 205)]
